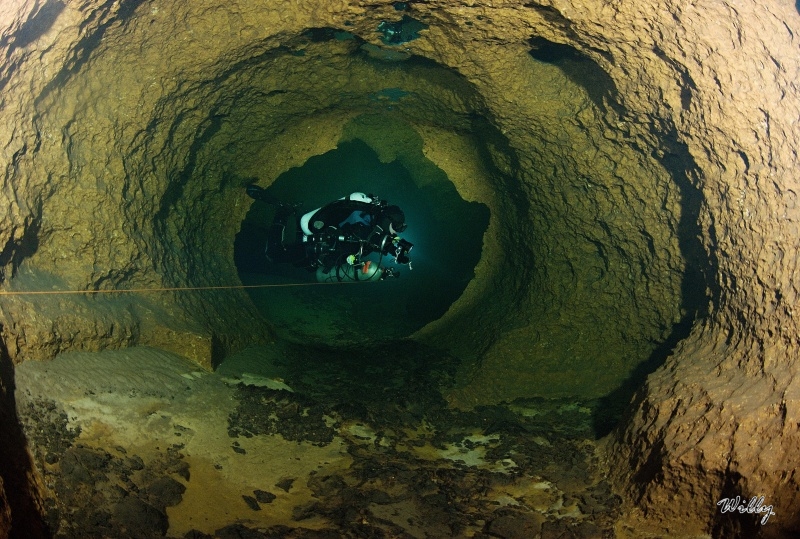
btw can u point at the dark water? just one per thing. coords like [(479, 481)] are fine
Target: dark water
[(343, 352), (446, 231)]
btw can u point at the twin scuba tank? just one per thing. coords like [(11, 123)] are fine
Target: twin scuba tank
[(366, 270)]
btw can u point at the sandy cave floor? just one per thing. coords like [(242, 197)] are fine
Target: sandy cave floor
[(141, 443)]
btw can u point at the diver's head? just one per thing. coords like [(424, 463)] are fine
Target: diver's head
[(394, 219)]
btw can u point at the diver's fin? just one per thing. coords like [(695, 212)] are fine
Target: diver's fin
[(255, 192)]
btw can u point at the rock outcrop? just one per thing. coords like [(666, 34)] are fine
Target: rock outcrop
[(720, 418), (637, 160), (155, 142)]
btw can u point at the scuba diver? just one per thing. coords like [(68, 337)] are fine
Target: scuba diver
[(337, 238)]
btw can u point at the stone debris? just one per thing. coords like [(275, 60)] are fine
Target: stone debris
[(639, 161), (331, 458)]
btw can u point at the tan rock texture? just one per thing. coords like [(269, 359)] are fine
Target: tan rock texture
[(148, 146), (720, 419), (628, 182)]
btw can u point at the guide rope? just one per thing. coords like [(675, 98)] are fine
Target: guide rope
[(160, 289)]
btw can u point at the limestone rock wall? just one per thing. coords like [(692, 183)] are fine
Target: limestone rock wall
[(720, 418), (155, 143), (576, 270), (85, 217), (134, 125)]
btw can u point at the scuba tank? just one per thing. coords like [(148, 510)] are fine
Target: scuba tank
[(365, 271)]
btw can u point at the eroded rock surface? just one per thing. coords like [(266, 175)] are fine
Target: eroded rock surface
[(720, 418), (626, 181), (581, 263), (140, 447)]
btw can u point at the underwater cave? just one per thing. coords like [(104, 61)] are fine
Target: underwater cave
[(446, 230), (600, 288)]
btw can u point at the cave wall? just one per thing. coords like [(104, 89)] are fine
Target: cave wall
[(135, 124), (592, 220), (89, 215), (170, 135), (720, 419)]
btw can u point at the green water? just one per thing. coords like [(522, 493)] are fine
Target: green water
[(446, 231)]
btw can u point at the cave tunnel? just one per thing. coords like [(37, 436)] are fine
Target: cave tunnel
[(447, 230), (597, 324)]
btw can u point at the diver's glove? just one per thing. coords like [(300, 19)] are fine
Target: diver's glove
[(351, 260)]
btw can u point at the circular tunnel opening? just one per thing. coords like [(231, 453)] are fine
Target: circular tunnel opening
[(567, 283), (446, 233), (579, 263)]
